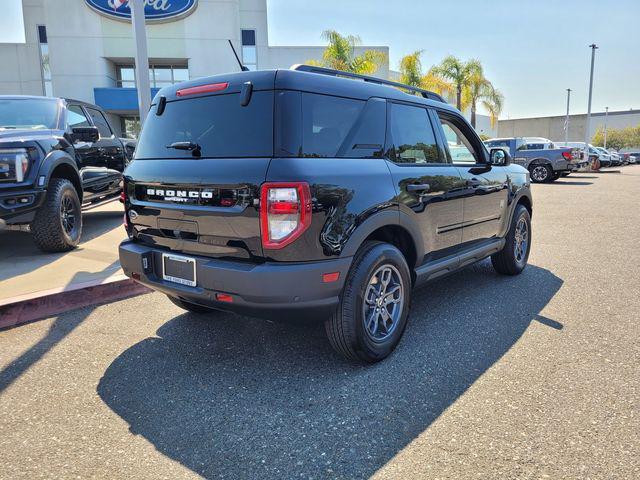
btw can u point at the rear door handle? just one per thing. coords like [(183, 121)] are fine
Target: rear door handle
[(418, 187)]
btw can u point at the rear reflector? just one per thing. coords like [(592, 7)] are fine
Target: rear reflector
[(330, 277), (212, 87), (224, 297)]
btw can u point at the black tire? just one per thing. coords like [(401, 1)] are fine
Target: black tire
[(57, 226), (347, 328), (191, 307), (556, 176), (510, 261), (540, 173)]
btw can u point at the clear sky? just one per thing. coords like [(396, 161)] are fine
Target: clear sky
[(531, 50)]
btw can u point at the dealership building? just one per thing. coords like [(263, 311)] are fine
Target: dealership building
[(84, 49)]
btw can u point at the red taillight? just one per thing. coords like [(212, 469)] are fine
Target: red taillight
[(567, 155), (285, 212), (211, 87), (123, 197)]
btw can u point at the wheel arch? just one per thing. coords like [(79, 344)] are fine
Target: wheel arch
[(392, 227), (60, 165)]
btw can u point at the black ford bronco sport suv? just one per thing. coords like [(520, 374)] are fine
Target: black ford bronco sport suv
[(299, 193), (57, 157)]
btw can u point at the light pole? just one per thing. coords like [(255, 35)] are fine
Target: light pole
[(593, 48), (606, 114), (566, 121), (142, 57)]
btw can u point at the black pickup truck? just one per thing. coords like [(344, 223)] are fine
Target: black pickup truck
[(298, 194), (57, 157)]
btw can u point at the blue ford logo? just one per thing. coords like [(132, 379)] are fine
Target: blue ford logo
[(154, 10)]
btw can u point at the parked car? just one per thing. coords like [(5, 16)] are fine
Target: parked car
[(58, 157), (545, 164), (606, 158), (296, 194), (592, 163)]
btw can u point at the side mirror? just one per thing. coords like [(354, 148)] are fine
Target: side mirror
[(499, 157), (85, 134)]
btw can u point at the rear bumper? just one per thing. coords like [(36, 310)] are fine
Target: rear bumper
[(293, 291)]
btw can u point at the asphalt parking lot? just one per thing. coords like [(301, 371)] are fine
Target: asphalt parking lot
[(535, 376)]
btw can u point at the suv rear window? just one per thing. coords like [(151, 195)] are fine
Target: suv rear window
[(217, 123)]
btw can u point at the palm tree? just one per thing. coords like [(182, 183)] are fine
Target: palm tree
[(411, 74), (458, 73), (479, 89), (340, 55)]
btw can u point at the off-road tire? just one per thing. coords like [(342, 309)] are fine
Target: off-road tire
[(346, 326), (506, 261), (536, 175), (47, 227), (191, 307)]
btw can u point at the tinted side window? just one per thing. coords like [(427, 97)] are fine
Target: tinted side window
[(412, 137), (310, 125), (535, 146), (100, 122), (76, 117), (326, 122)]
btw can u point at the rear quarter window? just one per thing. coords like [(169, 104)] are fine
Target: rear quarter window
[(217, 123), (314, 125)]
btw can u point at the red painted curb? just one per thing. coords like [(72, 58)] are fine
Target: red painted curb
[(47, 305)]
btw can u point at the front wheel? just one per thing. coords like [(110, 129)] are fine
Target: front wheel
[(373, 309), (513, 257), (540, 173), (57, 225)]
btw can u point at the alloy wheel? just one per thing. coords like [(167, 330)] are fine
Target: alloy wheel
[(539, 173), (521, 238), (383, 302)]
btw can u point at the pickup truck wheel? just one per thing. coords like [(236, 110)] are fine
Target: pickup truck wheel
[(540, 173), (513, 257), (191, 307), (556, 176), (373, 309), (57, 225)]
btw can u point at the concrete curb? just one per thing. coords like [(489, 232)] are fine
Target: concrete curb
[(19, 310)]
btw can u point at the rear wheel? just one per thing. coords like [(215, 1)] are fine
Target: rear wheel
[(57, 226), (373, 310), (513, 257), (556, 176), (540, 173), (191, 307)]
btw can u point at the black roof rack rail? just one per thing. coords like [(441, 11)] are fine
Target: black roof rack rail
[(367, 78)]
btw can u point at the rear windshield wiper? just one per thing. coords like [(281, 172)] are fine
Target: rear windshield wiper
[(194, 148)]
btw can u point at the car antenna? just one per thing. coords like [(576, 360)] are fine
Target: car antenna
[(242, 67)]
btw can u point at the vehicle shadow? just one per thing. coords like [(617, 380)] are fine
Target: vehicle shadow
[(19, 255), (243, 398)]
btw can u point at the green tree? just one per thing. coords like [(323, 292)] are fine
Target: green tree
[(459, 73), (628, 137), (340, 55), (480, 90), (411, 74)]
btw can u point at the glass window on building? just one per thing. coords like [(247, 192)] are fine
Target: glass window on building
[(159, 75), (249, 50), (45, 67), (130, 127)]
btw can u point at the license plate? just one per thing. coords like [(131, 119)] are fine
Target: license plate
[(179, 269)]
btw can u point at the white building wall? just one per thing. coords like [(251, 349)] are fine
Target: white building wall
[(20, 73)]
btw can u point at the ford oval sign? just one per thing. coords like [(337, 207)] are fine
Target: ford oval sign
[(154, 10)]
